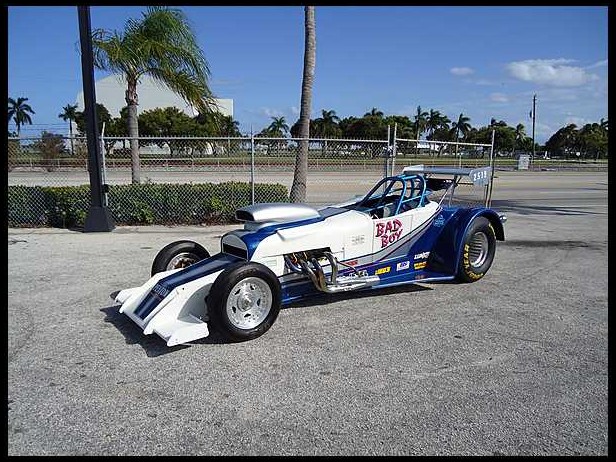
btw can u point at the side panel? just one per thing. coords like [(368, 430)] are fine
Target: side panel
[(446, 252)]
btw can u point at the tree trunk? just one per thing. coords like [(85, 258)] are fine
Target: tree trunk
[(133, 130), (70, 130), (298, 189)]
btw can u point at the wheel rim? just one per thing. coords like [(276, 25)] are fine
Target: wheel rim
[(478, 249), (249, 303), (182, 260)]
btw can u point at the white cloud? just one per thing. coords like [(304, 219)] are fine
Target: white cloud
[(553, 72), (598, 64), (269, 112), (499, 98), (461, 71)]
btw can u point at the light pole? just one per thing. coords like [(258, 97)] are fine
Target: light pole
[(534, 103)]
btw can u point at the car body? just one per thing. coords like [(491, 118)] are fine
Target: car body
[(395, 234)]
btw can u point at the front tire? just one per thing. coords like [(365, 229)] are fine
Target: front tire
[(478, 249), (244, 301), (178, 254)]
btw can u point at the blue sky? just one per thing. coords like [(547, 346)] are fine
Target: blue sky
[(486, 62)]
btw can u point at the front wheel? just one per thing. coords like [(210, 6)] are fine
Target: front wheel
[(479, 247), (178, 254), (244, 301)]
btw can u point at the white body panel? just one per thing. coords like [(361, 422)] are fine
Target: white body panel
[(180, 317)]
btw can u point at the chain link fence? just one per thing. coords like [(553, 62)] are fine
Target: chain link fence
[(338, 169)]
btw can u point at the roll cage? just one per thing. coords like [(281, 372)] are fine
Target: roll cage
[(410, 189), (393, 195)]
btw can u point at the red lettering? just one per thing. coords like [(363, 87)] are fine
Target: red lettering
[(389, 232)]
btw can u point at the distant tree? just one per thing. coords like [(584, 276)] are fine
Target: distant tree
[(326, 126), (278, 128), (374, 112), (420, 120), (69, 113), (593, 140), (369, 127), (51, 146), (564, 142), (163, 46), (402, 124), (436, 120), (19, 111), (461, 127), (102, 114)]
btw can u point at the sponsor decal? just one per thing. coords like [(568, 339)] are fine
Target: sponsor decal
[(403, 265), (468, 269), (420, 265), (439, 221), (389, 231), (419, 256), (383, 270), (357, 240), (362, 273), (351, 263), (160, 290)]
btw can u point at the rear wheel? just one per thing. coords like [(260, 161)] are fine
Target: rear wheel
[(479, 247), (244, 301), (178, 254)]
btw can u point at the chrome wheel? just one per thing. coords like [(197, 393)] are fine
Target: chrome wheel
[(478, 249), (249, 303), (182, 260)]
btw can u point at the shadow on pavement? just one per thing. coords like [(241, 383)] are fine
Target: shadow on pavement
[(523, 208)]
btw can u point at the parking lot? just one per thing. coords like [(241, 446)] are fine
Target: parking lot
[(514, 364)]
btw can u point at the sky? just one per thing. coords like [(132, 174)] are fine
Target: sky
[(484, 62)]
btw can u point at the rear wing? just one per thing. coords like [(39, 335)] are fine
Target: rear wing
[(482, 176)]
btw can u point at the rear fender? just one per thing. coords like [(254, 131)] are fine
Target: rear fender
[(447, 250)]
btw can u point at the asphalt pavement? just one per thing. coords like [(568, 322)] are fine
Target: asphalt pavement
[(513, 364)]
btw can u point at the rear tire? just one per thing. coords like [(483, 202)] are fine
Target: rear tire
[(178, 254), (478, 249), (244, 301)]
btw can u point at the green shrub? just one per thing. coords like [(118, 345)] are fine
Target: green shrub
[(137, 204)]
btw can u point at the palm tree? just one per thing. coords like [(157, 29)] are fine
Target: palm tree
[(70, 113), (462, 126), (520, 135), (298, 188), (329, 119), (18, 111), (420, 123), (163, 46), (278, 127), (374, 112)]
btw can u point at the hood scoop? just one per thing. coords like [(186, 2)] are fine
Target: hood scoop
[(276, 212)]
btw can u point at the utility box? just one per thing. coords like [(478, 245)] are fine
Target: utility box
[(523, 162)]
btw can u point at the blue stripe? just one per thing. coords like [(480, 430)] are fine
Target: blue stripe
[(164, 286)]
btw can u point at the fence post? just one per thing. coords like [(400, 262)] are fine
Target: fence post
[(387, 151), (490, 186), (252, 166), (394, 150)]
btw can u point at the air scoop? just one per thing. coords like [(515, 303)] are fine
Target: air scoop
[(277, 212)]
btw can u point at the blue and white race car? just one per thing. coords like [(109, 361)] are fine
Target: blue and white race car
[(393, 235)]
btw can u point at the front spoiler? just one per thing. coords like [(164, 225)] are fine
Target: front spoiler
[(180, 316)]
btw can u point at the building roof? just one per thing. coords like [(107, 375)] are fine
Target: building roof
[(110, 92)]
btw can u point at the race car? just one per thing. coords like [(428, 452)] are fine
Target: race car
[(398, 233)]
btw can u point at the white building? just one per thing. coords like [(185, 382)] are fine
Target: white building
[(110, 92)]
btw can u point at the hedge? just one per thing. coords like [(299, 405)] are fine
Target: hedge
[(137, 204)]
